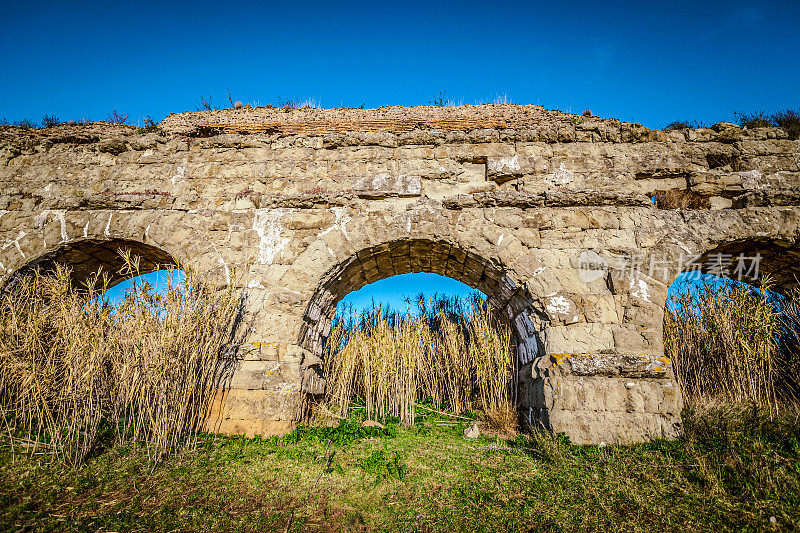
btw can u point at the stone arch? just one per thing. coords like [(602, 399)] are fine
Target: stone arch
[(749, 260), (87, 256), (87, 240), (698, 240), (402, 256), (701, 238), (742, 258), (590, 351)]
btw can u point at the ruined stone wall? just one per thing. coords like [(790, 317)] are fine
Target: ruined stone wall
[(298, 221)]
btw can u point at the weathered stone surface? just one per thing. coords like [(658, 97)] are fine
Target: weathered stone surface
[(494, 199), (250, 428), (240, 404), (298, 209), (597, 404), (593, 427), (383, 185), (577, 338), (472, 432), (592, 198), (767, 198), (613, 365), (147, 141), (113, 146)]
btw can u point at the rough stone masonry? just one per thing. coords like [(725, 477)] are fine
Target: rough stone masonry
[(549, 214)]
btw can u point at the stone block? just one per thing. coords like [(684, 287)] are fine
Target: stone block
[(601, 308), (630, 339), (249, 374), (611, 364), (502, 169), (250, 428), (385, 185), (240, 404), (577, 339), (594, 427)]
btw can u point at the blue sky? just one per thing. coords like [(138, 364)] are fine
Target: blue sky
[(158, 279), (394, 291), (391, 292), (650, 62)]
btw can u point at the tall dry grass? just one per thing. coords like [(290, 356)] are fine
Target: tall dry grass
[(731, 342), (460, 359), (74, 368)]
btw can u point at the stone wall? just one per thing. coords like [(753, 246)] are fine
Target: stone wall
[(298, 221)]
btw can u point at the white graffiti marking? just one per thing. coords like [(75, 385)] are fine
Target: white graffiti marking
[(267, 224)]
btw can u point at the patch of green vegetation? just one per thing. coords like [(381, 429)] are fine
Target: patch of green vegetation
[(757, 119), (440, 100), (735, 468), (789, 120), (383, 465), (346, 432)]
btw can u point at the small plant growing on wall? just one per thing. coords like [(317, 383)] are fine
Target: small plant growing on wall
[(25, 124), (684, 125), (48, 121), (206, 104), (149, 125), (440, 100), (117, 118), (787, 119)]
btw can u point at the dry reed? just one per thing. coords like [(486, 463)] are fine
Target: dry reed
[(73, 366), (460, 361), (731, 342)]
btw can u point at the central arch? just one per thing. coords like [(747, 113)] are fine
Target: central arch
[(505, 294)]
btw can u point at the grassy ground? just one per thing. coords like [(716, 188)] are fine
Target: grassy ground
[(734, 469)]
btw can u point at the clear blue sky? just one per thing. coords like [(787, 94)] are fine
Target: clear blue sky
[(394, 291), (650, 62)]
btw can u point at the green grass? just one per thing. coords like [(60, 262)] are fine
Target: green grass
[(733, 469)]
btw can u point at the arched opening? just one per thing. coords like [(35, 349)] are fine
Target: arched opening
[(84, 258), (89, 256), (750, 260), (401, 257), (510, 300), (731, 324), (147, 366)]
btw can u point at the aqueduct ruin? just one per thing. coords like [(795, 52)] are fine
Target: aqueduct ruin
[(549, 214)]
